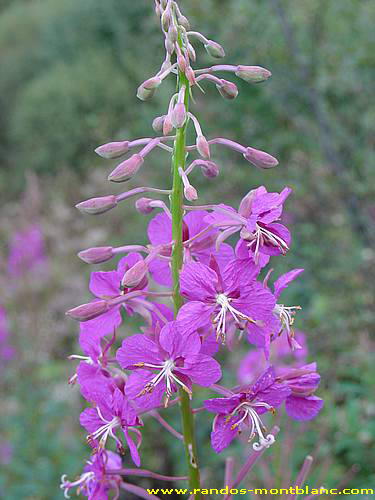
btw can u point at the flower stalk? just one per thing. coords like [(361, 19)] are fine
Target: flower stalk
[(179, 161)]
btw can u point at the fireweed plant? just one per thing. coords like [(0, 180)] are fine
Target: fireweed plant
[(215, 288)]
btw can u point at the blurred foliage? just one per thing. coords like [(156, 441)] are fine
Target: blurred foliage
[(69, 73)]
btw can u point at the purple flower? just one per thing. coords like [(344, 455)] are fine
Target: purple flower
[(107, 285), (160, 233), (243, 410), (256, 220), (26, 251), (94, 483), (112, 412), (172, 360), (301, 404), (215, 297)]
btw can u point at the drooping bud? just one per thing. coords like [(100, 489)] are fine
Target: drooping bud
[(209, 169), (181, 62), (178, 116), (260, 159), (112, 149), (127, 169), (172, 33), (214, 49), (253, 74), (96, 206), (166, 19), (190, 193), (92, 310), (157, 124), (134, 275), (183, 21), (143, 205), (167, 125), (169, 46), (147, 89), (191, 52), (228, 90), (190, 75), (203, 147), (96, 255)]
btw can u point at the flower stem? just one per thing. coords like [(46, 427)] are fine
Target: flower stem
[(179, 160)]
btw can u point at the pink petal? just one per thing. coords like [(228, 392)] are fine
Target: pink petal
[(202, 370), (104, 284), (138, 349), (304, 408), (285, 279), (160, 230), (194, 315), (198, 282)]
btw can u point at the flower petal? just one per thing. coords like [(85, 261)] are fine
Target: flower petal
[(104, 284), (202, 370), (285, 279), (304, 408), (160, 230), (138, 349), (222, 433), (194, 315), (198, 282)]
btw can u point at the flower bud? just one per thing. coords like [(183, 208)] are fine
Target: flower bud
[(253, 74), (147, 89), (157, 124), (190, 75), (96, 206), (190, 193), (178, 116), (112, 149), (183, 21), (172, 33), (214, 49), (203, 147), (92, 310), (169, 46), (143, 206), (134, 275), (259, 158), (167, 125), (166, 19), (125, 170), (228, 90), (181, 62), (209, 169), (191, 52), (96, 255)]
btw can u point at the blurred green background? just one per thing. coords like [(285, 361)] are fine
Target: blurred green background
[(69, 72)]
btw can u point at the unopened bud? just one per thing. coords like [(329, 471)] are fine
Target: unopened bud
[(125, 170), (96, 206), (203, 147), (134, 275), (178, 116), (96, 255), (167, 125), (147, 89), (191, 52), (143, 205), (183, 21), (190, 75), (246, 202), (169, 46), (113, 149), (181, 62), (214, 49), (157, 124), (166, 19), (92, 310), (253, 74), (228, 90), (260, 159), (172, 33), (190, 193), (209, 169)]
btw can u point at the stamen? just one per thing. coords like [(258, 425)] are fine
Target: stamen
[(81, 482), (262, 236)]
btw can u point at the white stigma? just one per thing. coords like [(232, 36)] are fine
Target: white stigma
[(220, 319), (255, 423), (82, 481), (105, 430)]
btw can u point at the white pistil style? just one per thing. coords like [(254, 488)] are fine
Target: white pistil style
[(256, 425), (286, 316), (166, 372), (106, 430), (220, 319), (261, 236), (80, 483)]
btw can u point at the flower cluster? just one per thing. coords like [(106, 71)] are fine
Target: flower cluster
[(220, 291)]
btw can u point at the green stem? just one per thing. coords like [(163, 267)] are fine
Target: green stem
[(179, 159)]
